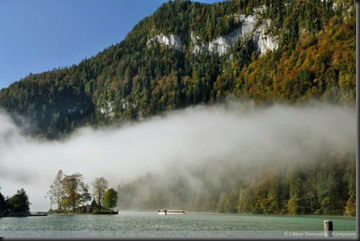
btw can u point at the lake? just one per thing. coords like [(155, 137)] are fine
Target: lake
[(190, 225)]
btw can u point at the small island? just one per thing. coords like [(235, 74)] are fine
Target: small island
[(72, 195), (92, 208)]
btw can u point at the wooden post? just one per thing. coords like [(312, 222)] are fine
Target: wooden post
[(328, 228)]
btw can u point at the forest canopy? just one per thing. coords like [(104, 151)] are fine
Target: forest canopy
[(315, 59)]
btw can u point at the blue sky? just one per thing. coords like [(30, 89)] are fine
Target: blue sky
[(39, 35)]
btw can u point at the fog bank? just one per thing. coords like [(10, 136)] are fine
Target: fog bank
[(197, 136)]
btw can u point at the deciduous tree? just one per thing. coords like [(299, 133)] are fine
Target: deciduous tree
[(110, 198), (75, 191), (99, 188)]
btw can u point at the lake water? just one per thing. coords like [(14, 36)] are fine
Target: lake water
[(190, 225)]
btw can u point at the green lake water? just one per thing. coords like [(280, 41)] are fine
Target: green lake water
[(190, 225)]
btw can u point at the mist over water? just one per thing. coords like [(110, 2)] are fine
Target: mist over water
[(217, 136)]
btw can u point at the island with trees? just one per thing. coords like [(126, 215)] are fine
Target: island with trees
[(71, 195)]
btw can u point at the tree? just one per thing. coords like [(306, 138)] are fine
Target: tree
[(51, 195), (2, 205), (57, 185), (230, 204), (99, 188), (329, 184), (19, 203), (221, 203), (350, 208), (54, 194), (75, 192), (110, 198), (295, 204), (84, 195), (93, 204)]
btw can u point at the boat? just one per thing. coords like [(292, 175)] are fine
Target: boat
[(170, 211)]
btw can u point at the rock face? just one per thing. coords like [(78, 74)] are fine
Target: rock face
[(221, 44), (170, 40), (265, 42), (108, 109)]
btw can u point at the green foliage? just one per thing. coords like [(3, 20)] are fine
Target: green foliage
[(73, 196), (220, 207), (2, 205), (350, 208), (230, 203), (19, 203), (99, 188), (295, 205), (75, 191), (110, 198)]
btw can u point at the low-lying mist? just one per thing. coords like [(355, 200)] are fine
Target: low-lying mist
[(212, 139)]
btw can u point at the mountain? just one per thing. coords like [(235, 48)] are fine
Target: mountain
[(188, 53)]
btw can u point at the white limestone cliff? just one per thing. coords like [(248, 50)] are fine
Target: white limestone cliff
[(170, 40), (221, 44)]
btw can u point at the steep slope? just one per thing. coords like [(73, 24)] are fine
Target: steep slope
[(188, 53)]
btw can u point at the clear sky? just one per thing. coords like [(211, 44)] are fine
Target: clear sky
[(39, 35)]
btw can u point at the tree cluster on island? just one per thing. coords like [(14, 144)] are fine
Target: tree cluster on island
[(15, 206), (72, 195)]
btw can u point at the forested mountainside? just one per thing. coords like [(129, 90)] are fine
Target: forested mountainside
[(325, 186), (188, 53)]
